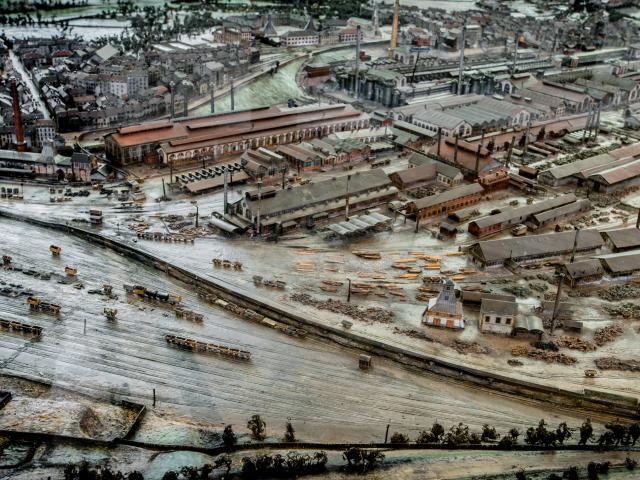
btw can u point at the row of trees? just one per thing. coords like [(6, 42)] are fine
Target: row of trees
[(258, 428), (594, 470), (615, 434)]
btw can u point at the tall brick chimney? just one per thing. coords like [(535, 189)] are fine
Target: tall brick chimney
[(21, 146)]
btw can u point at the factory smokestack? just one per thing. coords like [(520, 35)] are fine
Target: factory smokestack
[(394, 30), (21, 146), (461, 66)]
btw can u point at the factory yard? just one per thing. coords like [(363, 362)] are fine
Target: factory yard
[(321, 388), (250, 240)]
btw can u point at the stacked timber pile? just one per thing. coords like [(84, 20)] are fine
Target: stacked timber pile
[(625, 310), (613, 363), (364, 314), (619, 292), (607, 334), (469, 347), (575, 343), (460, 346), (544, 355), (367, 254)]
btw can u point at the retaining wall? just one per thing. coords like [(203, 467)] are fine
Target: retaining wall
[(604, 403)]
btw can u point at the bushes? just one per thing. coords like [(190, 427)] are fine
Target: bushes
[(398, 437), (290, 465), (489, 433), (84, 472), (432, 436), (361, 460)]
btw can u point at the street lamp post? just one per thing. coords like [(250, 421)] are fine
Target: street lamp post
[(195, 204)]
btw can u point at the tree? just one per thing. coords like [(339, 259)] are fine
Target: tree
[(362, 460), (205, 471), (475, 439), (571, 473), (258, 427), (170, 475), (618, 431), (223, 461), (190, 473), (634, 432), (563, 433), (488, 433), (248, 468), (229, 437), (586, 432), (425, 437), (437, 431), (289, 433), (520, 475), (398, 437), (607, 439)]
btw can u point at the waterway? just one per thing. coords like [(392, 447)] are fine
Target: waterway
[(268, 90), (93, 28)]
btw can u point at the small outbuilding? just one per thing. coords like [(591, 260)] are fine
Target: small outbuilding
[(498, 316), (585, 271)]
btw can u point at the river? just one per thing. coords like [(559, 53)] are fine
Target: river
[(267, 90)]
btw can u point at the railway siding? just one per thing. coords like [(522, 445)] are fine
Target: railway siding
[(604, 403)]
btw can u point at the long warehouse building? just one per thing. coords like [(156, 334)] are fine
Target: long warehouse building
[(185, 140)]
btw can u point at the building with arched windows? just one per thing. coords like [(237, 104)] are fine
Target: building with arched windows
[(213, 137)]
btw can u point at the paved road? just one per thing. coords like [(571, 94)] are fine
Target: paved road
[(35, 94)]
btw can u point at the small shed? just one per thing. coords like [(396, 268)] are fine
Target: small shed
[(448, 229), (364, 362), (528, 326), (585, 271)]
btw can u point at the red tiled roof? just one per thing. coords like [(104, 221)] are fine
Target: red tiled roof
[(213, 129)]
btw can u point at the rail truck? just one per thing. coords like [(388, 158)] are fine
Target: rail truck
[(147, 294)]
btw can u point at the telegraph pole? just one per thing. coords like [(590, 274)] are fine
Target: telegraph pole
[(233, 104), (226, 186), (346, 215), (213, 97), (357, 89), (556, 303)]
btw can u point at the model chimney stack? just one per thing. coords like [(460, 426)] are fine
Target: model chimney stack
[(394, 29), (21, 146)]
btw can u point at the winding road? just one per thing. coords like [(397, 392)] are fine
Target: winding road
[(35, 94)]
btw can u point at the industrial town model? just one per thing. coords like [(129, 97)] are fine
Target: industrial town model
[(383, 239)]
